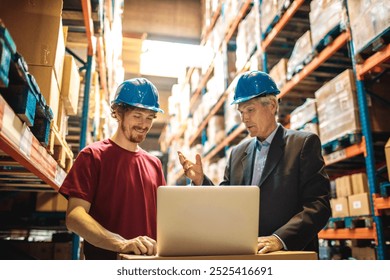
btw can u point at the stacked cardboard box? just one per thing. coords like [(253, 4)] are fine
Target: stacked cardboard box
[(326, 16), (368, 19), (270, 11), (303, 114), (352, 196), (232, 116), (36, 28), (300, 56), (279, 73), (50, 202), (248, 36), (337, 107), (216, 130)]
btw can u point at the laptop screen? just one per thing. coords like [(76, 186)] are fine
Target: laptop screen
[(207, 220)]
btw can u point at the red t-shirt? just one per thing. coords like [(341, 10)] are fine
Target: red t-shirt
[(120, 185)]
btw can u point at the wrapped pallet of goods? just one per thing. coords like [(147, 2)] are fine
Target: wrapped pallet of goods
[(306, 113), (279, 73), (327, 18), (337, 108), (369, 20), (300, 56)]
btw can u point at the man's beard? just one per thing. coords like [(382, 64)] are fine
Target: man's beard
[(133, 138)]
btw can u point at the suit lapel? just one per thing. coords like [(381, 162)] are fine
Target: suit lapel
[(274, 154), (247, 163)]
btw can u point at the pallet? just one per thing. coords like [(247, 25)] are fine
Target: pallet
[(376, 44), (350, 222), (341, 142), (277, 17), (59, 148), (328, 38), (298, 68), (5, 60), (384, 189)]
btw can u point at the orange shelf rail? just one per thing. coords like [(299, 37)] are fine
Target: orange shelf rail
[(225, 142), (326, 53), (241, 13), (25, 149), (346, 233), (204, 123), (281, 23), (201, 85), (373, 61), (380, 203), (87, 13), (346, 153), (214, 18)]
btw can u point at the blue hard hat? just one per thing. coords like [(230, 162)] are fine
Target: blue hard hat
[(138, 92), (252, 84)]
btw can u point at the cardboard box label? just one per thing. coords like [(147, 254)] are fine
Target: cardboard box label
[(338, 207), (357, 205)]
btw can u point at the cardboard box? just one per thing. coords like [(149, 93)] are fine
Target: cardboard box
[(303, 114), (47, 82), (359, 204), (279, 73), (387, 154), (343, 186), (359, 183), (70, 85), (363, 253), (339, 207), (62, 251), (300, 56), (337, 107), (369, 18), (325, 15), (50, 202), (62, 120), (36, 27)]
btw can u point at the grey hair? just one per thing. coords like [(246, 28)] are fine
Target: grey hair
[(267, 99)]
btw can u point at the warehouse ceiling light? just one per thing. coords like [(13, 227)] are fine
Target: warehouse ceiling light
[(168, 59)]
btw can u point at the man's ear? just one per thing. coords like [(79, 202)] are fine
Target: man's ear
[(274, 105)]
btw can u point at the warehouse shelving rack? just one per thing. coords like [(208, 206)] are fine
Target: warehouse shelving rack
[(362, 149), (22, 149), (365, 147), (23, 158), (246, 5)]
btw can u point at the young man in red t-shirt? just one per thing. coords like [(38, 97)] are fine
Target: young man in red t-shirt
[(111, 188)]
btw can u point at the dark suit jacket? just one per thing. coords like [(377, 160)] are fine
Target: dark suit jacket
[(294, 189)]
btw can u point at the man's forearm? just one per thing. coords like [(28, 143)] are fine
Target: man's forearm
[(81, 223)]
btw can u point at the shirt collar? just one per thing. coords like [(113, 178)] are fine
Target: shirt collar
[(268, 140)]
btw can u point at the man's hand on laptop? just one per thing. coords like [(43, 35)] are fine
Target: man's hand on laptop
[(141, 245), (193, 171), (267, 244)]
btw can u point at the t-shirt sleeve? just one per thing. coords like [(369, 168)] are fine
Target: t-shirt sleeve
[(81, 181), (163, 182)]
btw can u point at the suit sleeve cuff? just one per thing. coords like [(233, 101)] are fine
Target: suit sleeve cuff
[(280, 239)]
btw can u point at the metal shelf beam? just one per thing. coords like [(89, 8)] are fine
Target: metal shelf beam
[(326, 53), (281, 23), (380, 203), (346, 233), (240, 129), (346, 153), (373, 61)]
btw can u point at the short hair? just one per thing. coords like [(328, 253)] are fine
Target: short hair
[(267, 99)]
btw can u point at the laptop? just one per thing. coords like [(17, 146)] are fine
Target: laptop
[(207, 220)]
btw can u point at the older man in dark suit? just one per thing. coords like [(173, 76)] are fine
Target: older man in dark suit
[(286, 164)]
